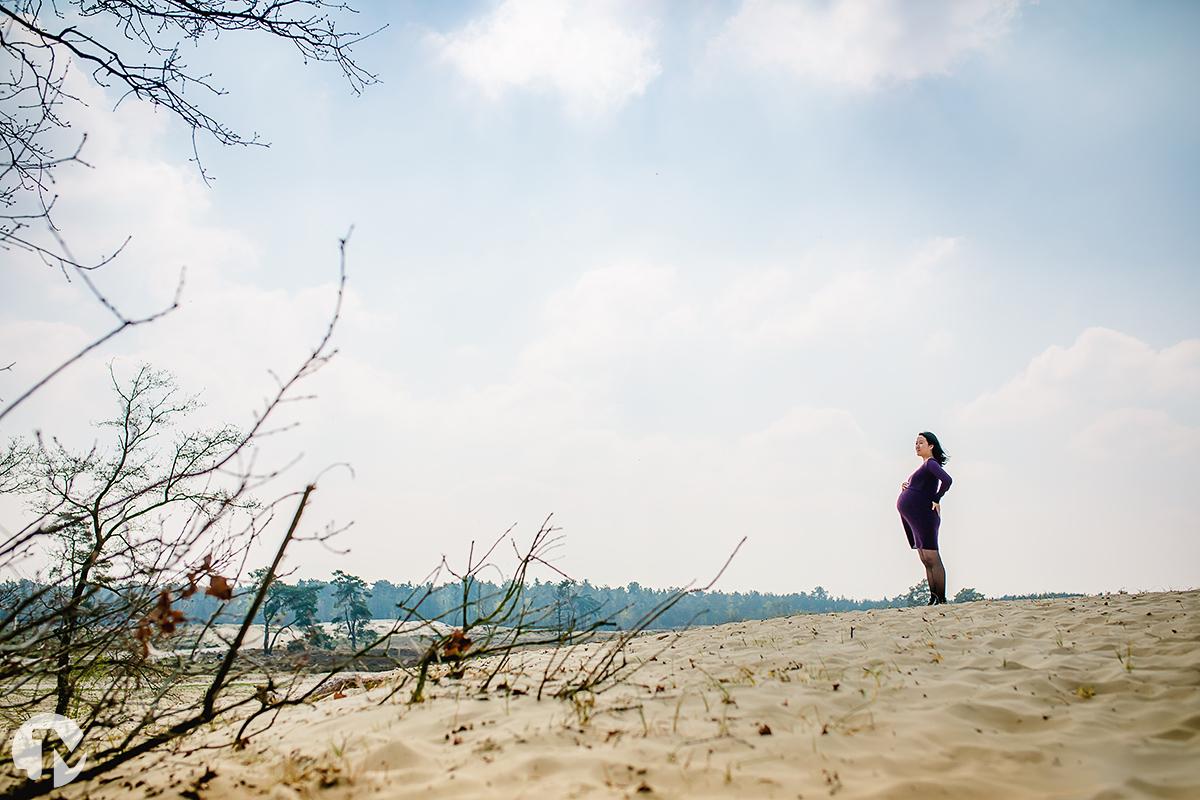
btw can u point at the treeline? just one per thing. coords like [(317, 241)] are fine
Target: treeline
[(572, 603), (562, 604)]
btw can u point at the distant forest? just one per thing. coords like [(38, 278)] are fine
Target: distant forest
[(560, 604), (563, 604)]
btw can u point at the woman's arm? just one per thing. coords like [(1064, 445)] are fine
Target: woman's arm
[(942, 476)]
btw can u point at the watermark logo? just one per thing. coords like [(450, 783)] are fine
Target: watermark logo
[(27, 751)]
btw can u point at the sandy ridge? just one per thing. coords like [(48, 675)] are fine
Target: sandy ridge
[(1095, 697)]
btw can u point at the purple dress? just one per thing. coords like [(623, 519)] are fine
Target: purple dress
[(915, 505)]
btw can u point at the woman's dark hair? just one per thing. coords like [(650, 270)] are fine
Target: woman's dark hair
[(939, 455)]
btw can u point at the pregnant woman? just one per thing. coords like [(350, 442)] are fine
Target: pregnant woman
[(920, 511)]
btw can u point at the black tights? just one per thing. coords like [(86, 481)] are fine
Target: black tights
[(935, 573)]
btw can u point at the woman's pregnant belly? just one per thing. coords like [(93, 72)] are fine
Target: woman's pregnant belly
[(911, 503)]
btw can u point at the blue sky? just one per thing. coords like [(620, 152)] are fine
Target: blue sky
[(680, 273)]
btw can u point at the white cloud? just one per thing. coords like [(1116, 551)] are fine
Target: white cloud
[(1138, 433), (939, 344), (1093, 453), (555, 432), (650, 506), (613, 311), (1103, 369), (595, 56), (790, 307), (861, 45)]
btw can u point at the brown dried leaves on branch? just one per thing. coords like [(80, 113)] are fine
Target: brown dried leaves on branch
[(456, 646), (164, 619), (219, 588)]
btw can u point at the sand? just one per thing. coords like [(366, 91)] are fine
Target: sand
[(1095, 697), (217, 637)]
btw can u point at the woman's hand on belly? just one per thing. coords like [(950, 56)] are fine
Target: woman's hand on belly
[(937, 508)]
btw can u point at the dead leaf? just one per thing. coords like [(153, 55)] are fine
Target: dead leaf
[(161, 616), (456, 646), (219, 588)]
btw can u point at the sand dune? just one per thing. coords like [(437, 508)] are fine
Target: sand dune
[(1095, 697)]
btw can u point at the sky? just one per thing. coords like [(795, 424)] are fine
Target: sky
[(679, 274)]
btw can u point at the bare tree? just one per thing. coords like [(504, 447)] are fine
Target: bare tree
[(133, 47), (134, 528), (158, 516)]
